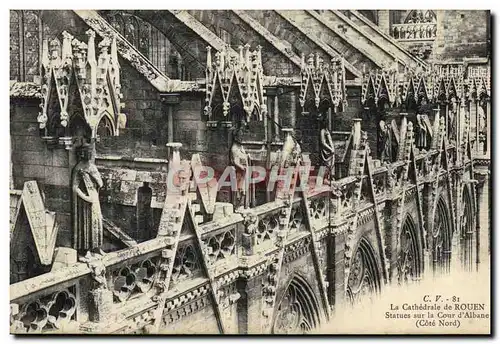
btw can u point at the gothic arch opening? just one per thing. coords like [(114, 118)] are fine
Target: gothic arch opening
[(364, 275), (420, 16), (298, 310), (105, 127), (441, 236), (409, 261), (144, 213), (466, 230), (150, 41)]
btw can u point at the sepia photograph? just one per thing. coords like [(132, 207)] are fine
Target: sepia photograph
[(250, 172)]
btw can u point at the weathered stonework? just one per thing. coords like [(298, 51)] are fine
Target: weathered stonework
[(188, 260)]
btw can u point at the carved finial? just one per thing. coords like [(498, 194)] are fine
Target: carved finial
[(241, 56), (222, 56), (91, 46), (259, 56), (310, 61)]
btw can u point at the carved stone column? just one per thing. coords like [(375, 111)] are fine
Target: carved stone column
[(100, 302), (169, 101)]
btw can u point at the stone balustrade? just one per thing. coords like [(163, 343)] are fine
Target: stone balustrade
[(414, 31)]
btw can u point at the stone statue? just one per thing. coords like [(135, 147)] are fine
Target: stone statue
[(241, 161), (327, 149), (385, 142), (87, 217), (291, 150), (423, 132), (452, 114)]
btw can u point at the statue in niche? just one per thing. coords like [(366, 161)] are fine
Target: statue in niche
[(327, 148), (291, 150), (385, 142), (241, 161), (452, 114), (87, 216), (423, 132), (395, 135), (424, 108)]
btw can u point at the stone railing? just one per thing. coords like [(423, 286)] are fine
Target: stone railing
[(414, 31)]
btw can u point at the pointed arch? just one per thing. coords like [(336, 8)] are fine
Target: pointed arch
[(32, 46), (131, 29), (410, 95), (409, 252), (452, 89), (442, 94), (117, 22), (364, 275), (106, 126), (298, 310), (79, 128), (420, 16), (422, 91), (383, 93), (370, 93), (15, 46), (441, 237)]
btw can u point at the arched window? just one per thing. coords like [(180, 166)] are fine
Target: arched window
[(131, 31), (420, 16), (408, 253), (25, 45), (364, 277), (150, 41), (15, 19), (105, 127), (298, 310), (441, 238)]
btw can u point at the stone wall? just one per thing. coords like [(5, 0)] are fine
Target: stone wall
[(32, 160), (462, 34), (145, 134)]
